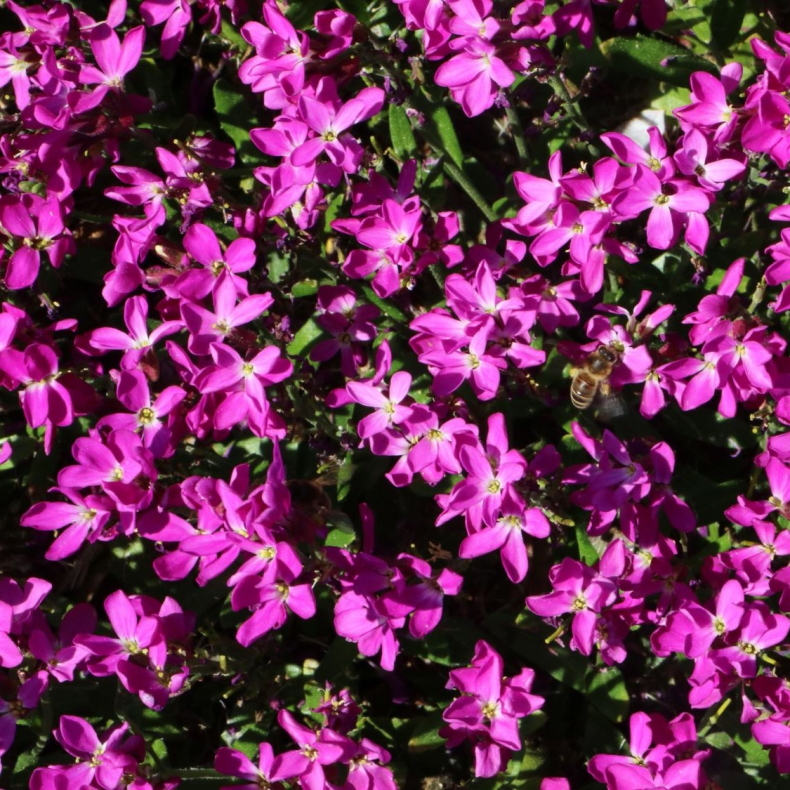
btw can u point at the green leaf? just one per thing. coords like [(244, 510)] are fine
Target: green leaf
[(608, 692), (426, 734), (653, 59), (447, 136), (726, 21), (386, 307), (403, 143), (235, 119), (344, 475), (305, 338), (587, 553), (719, 740), (340, 539), (305, 288)]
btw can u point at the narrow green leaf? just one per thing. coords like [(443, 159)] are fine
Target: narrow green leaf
[(344, 475), (426, 734), (386, 307), (653, 59), (447, 136), (726, 21), (403, 143), (305, 338)]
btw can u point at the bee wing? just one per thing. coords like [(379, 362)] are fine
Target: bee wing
[(610, 405)]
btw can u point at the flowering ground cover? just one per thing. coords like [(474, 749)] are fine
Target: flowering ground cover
[(395, 394)]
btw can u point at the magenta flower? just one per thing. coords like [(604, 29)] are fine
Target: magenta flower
[(136, 635), (44, 399), (472, 75), (692, 160), (272, 595), (35, 225), (580, 591), (203, 246), (114, 60), (206, 327), (316, 750), (507, 536), (60, 655), (426, 597), (242, 383), (350, 325), (26, 698), (138, 340), (232, 762), (146, 414), (176, 15), (489, 710), (709, 108), (82, 518), (101, 760), (670, 204), (491, 474), (330, 125), (389, 408), (362, 619)]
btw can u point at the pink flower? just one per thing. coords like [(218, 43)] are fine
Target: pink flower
[(315, 751), (669, 205), (232, 762), (472, 75), (489, 710)]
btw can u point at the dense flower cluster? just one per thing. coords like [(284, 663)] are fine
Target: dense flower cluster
[(264, 299)]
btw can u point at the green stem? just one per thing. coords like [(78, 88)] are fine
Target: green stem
[(460, 178), (715, 717), (556, 635), (517, 130), (194, 773), (575, 113)]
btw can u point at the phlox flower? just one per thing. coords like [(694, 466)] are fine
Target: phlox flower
[(34, 225), (315, 751), (103, 760), (507, 535), (671, 204), (232, 762), (488, 711), (114, 60), (272, 595), (242, 382), (491, 471), (81, 519), (473, 75), (578, 590)]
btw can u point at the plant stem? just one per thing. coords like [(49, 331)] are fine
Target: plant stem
[(572, 106), (194, 773), (715, 717), (517, 130), (460, 178)]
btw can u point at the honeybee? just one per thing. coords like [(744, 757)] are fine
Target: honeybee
[(311, 507), (591, 381), (309, 499)]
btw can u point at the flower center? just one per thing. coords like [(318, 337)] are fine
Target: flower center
[(146, 416)]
